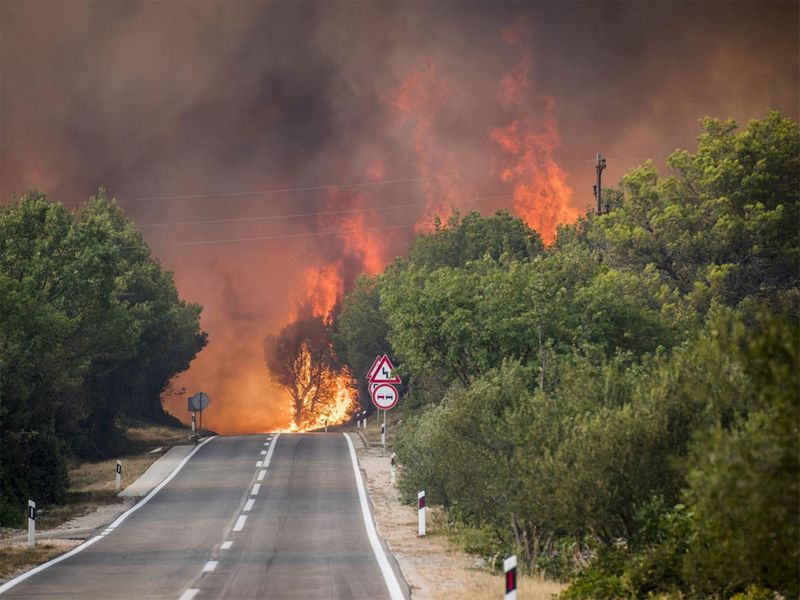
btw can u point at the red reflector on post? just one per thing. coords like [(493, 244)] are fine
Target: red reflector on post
[(510, 568)]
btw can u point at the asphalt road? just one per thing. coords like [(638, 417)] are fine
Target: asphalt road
[(225, 527)]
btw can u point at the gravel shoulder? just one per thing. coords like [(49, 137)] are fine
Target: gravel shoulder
[(434, 567)]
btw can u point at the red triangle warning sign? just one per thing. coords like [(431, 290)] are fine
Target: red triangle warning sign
[(384, 372), (374, 366)]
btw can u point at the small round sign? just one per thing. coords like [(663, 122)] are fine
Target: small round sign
[(384, 396)]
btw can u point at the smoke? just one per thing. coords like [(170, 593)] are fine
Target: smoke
[(178, 109)]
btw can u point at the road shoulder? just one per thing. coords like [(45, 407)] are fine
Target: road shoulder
[(434, 567), (15, 556)]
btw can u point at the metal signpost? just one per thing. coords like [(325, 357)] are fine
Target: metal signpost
[(197, 404), (382, 379)]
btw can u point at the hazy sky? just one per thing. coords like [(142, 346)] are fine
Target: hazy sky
[(182, 110)]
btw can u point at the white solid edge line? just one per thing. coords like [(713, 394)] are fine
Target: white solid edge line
[(10, 584), (159, 487), (383, 562), (189, 594)]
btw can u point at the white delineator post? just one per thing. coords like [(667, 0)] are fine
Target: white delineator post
[(394, 468), (194, 418), (31, 524), (510, 568), (421, 512), (118, 476)]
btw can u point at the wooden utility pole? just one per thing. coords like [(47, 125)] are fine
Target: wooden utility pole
[(600, 164)]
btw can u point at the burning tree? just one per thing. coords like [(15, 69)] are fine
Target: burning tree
[(301, 359)]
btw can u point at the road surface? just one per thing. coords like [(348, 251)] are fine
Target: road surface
[(226, 526)]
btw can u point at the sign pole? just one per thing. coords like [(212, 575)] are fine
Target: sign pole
[(31, 524), (383, 431)]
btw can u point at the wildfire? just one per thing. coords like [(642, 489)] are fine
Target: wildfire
[(365, 244), (416, 104), (340, 407), (323, 288), (541, 194)]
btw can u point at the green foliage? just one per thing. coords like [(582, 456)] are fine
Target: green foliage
[(360, 330), (475, 238), (91, 329), (621, 407), (745, 482), (723, 226)]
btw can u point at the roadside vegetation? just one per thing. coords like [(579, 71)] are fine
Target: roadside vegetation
[(621, 409), (91, 332)]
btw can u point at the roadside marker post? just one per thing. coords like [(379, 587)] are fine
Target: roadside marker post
[(393, 462), (194, 418), (510, 568), (118, 476), (421, 512), (31, 524), (326, 425)]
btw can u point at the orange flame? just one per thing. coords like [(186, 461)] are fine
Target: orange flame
[(416, 104), (340, 407), (541, 194), (365, 243), (323, 287)]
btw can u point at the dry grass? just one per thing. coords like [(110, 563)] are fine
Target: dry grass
[(373, 431), (19, 558), (158, 435), (92, 483)]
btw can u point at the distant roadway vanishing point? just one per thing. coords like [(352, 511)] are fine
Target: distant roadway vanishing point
[(262, 516)]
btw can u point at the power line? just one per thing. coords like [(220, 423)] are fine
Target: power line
[(311, 214), (281, 237), (315, 188)]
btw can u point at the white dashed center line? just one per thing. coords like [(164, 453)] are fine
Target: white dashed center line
[(263, 453), (189, 594), (261, 475), (249, 505), (240, 523), (210, 566), (256, 489), (226, 546), (260, 464)]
